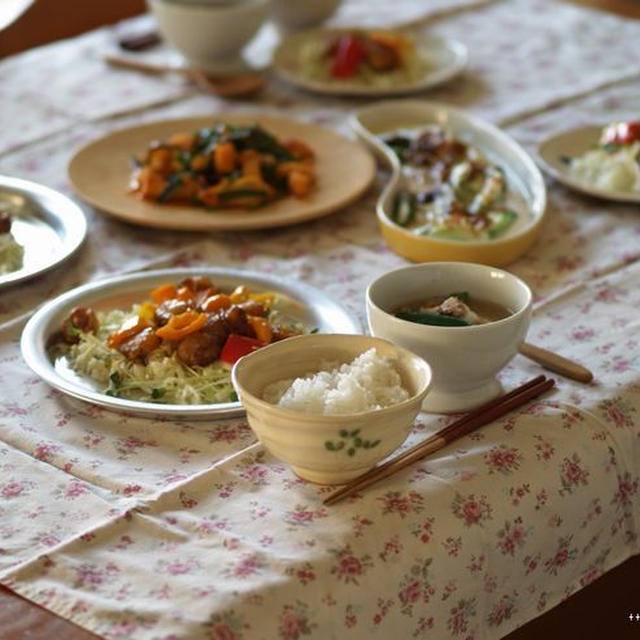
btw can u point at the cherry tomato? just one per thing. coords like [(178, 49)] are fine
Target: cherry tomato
[(350, 53), (621, 133), (237, 346)]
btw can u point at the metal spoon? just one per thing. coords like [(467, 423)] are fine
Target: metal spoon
[(224, 86)]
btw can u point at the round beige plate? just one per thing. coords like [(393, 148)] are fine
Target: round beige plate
[(100, 171), (551, 154)]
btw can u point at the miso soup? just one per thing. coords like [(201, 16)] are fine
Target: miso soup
[(452, 310)]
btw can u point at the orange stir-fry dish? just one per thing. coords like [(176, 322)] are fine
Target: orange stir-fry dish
[(222, 167), (176, 346)]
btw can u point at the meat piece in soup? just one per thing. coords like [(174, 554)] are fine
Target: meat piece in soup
[(453, 310)]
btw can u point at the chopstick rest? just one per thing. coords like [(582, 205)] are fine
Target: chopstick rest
[(473, 420)]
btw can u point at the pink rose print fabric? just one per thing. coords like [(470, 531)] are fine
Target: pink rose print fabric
[(158, 529)]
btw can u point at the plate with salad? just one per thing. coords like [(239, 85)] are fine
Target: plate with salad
[(221, 173), (367, 62), (164, 342), (598, 160), (459, 188)]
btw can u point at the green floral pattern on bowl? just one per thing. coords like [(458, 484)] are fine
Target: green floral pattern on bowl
[(350, 441)]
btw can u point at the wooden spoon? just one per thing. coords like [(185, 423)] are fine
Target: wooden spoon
[(556, 363), (224, 86)]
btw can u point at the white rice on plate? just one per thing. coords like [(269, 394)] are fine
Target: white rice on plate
[(368, 383)]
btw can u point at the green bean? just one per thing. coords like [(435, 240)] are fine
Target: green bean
[(435, 319)]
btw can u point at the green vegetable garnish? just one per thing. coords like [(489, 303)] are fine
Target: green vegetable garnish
[(500, 222), (242, 193), (158, 392), (398, 145), (611, 147), (404, 208), (270, 175), (114, 384), (172, 184), (447, 233), (255, 137), (435, 319)]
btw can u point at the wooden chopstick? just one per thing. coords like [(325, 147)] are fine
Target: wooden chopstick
[(556, 363), (472, 421), (451, 427)]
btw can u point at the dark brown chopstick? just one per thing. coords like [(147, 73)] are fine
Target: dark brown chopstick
[(472, 421), (456, 424)]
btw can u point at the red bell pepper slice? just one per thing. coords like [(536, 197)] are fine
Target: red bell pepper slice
[(237, 346), (349, 55)]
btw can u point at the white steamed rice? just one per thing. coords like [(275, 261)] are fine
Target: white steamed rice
[(369, 382)]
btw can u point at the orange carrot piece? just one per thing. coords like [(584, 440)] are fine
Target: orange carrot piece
[(163, 293), (224, 157), (299, 183)]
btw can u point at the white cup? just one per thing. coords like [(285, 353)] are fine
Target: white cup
[(210, 35)]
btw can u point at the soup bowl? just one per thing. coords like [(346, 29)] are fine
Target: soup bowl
[(464, 359), (210, 35), (335, 448)]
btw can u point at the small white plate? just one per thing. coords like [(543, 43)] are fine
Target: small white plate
[(46, 223), (572, 143), (447, 58), (298, 301)]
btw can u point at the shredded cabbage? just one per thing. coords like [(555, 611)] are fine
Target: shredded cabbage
[(314, 65), (611, 171), (11, 254), (164, 378)]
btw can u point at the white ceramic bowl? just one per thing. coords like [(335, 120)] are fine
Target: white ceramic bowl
[(464, 360), (300, 14), (327, 449), (210, 36)]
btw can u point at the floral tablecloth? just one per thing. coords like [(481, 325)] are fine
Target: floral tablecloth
[(160, 529)]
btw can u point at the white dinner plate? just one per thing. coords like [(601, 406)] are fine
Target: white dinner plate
[(46, 223), (572, 143), (297, 301), (446, 59)]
